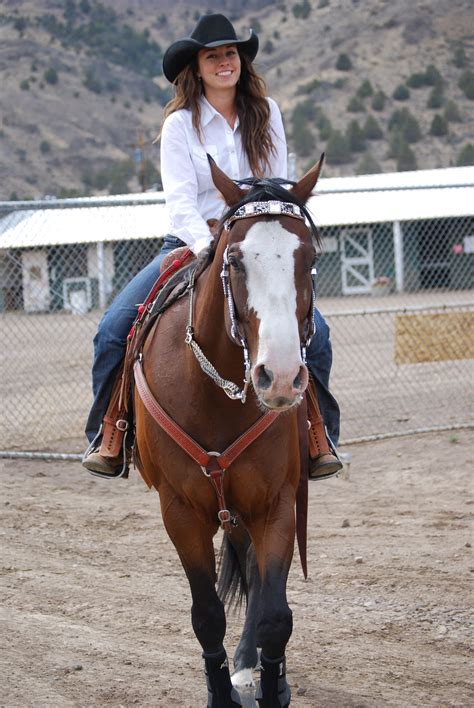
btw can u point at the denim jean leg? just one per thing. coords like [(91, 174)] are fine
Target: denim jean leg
[(319, 360), (110, 340)]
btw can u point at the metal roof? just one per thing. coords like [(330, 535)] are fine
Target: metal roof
[(405, 196), (53, 227)]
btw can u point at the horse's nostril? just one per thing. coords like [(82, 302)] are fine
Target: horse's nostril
[(265, 377), (300, 381)]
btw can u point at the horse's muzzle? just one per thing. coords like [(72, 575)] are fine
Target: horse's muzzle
[(279, 391)]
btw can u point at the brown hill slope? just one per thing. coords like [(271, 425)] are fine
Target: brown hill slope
[(80, 84)]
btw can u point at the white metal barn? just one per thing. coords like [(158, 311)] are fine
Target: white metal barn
[(395, 228)]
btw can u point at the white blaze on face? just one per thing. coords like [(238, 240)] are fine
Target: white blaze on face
[(268, 256)]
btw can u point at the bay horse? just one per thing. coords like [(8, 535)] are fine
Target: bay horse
[(251, 310)]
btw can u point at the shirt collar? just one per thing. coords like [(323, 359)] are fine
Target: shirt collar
[(208, 112)]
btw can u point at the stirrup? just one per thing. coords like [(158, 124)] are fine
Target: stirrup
[(121, 473)]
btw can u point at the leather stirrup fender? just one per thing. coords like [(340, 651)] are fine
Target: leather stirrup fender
[(318, 442)]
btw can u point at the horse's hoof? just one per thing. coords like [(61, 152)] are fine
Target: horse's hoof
[(243, 679)]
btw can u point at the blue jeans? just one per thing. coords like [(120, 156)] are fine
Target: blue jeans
[(110, 341), (111, 337)]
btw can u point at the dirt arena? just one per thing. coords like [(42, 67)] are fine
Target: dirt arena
[(96, 607)]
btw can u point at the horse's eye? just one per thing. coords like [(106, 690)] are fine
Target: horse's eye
[(235, 264)]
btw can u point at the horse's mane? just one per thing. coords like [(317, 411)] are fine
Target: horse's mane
[(265, 189)]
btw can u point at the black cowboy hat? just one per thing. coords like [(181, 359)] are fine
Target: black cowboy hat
[(210, 31)]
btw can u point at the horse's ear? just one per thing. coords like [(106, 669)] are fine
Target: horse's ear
[(229, 190), (302, 189)]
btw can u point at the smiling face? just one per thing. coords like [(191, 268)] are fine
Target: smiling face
[(219, 67)]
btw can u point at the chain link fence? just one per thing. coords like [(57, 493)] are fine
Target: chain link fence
[(398, 298)]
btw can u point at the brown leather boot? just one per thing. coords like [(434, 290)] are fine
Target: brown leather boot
[(105, 465), (107, 460), (323, 462)]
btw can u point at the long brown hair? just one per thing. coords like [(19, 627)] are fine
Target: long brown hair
[(252, 108)]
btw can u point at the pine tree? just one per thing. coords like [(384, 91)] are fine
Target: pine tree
[(337, 149), (372, 130), (466, 156), (355, 137), (439, 126)]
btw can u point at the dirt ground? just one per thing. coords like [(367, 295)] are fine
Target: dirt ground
[(96, 606)]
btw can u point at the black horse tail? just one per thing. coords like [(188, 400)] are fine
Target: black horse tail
[(231, 584)]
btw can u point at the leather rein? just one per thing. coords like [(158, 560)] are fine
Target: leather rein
[(214, 464)]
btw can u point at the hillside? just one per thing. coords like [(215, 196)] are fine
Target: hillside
[(81, 85)]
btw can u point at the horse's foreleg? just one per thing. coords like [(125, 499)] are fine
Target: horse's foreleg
[(246, 657), (192, 538), (274, 541)]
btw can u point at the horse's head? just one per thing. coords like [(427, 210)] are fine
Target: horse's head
[(267, 272)]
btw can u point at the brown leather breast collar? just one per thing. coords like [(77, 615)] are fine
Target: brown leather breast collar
[(213, 464)]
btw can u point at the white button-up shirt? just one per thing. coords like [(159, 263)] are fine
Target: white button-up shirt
[(191, 196)]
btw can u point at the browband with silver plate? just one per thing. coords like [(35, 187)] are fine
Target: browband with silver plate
[(269, 207)]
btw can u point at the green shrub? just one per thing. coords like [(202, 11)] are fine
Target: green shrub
[(45, 147), (25, 85), (113, 85), (417, 80), (302, 10), (372, 130), (451, 113), (466, 156), (378, 101), (324, 126), (308, 87), (114, 178), (304, 112), (433, 77), (406, 123), (466, 84), (337, 149), (343, 63), (103, 33), (355, 105), (436, 98), (20, 24), (406, 159), (365, 89), (91, 82), (303, 140), (396, 139), (401, 93), (368, 165), (459, 58), (268, 47), (355, 137), (439, 126), (51, 76)]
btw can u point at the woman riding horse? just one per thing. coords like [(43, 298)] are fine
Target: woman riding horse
[(220, 108)]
